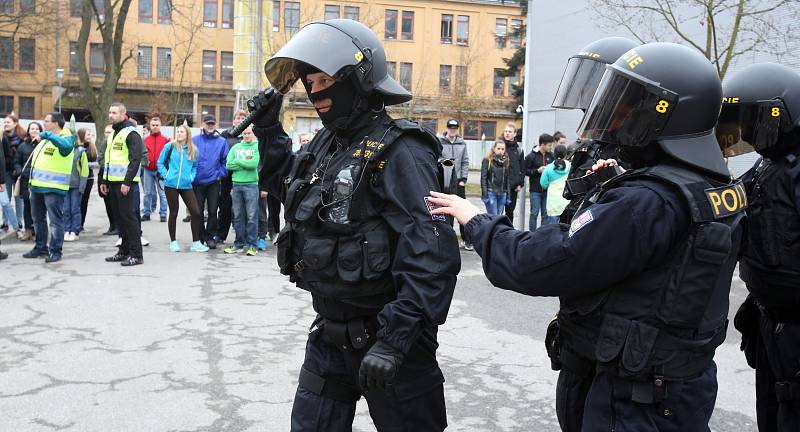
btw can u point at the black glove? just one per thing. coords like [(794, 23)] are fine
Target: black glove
[(379, 367), (268, 105)]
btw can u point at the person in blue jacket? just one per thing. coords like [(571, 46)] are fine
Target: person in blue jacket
[(213, 151), (177, 167)]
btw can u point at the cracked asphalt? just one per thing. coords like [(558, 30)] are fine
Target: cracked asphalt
[(208, 342)]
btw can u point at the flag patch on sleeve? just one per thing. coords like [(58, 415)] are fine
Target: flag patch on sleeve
[(581, 221), (431, 207)]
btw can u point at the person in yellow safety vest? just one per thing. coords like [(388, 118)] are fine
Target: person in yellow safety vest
[(119, 177), (51, 169)]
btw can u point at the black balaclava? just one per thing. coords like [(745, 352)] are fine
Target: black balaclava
[(640, 157), (347, 108)]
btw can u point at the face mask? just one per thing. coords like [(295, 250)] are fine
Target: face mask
[(343, 98)]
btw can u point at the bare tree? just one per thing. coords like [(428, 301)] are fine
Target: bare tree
[(722, 30)]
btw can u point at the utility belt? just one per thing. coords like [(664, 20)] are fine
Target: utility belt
[(786, 314)]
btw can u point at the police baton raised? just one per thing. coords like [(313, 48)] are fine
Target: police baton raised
[(247, 121)]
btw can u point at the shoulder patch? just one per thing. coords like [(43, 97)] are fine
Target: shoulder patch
[(581, 221), (431, 207), (727, 200)]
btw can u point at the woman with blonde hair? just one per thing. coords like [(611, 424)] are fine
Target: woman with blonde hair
[(177, 168)]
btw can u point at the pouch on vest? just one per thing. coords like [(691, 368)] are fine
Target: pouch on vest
[(376, 254), (286, 259), (626, 344), (318, 254), (687, 296), (308, 206), (349, 259)]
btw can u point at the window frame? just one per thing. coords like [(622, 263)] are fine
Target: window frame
[(145, 18), (207, 54), (390, 33), (27, 65), (225, 119), (27, 6), (449, 78), (227, 23), (8, 5), (73, 58), (479, 127), (99, 49), (5, 107), (295, 22), (140, 72), (168, 66), (446, 39), (276, 15), (223, 67), (7, 53), (165, 19), (348, 12), (204, 111), (25, 113), (391, 69), (498, 91), (328, 11), (461, 23), (209, 7), (514, 38), (409, 67), (500, 39), (406, 16), (75, 8)]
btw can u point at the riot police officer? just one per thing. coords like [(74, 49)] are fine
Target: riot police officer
[(761, 112), (359, 234), (578, 84), (643, 271)]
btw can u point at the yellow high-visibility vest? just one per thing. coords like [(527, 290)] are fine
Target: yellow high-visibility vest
[(49, 169), (116, 158)]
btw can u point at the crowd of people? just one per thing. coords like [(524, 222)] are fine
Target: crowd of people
[(47, 173)]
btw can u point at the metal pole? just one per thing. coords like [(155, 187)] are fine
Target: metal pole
[(527, 109)]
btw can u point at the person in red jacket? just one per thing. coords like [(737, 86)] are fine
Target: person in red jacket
[(155, 142)]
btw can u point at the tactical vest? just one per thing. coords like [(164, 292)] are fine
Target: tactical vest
[(117, 158), (770, 265), (666, 321), (348, 262), (49, 169)]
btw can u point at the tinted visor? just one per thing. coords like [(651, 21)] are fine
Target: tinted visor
[(579, 83), (627, 111), (743, 128)]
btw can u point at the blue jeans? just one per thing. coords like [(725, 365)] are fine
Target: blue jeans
[(245, 214), (495, 203), (538, 203), (72, 211), (150, 185), (43, 206), (7, 202)]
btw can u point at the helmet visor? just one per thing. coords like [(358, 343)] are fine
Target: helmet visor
[(627, 111), (743, 128), (579, 83)]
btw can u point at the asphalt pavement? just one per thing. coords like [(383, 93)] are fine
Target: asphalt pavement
[(209, 342)]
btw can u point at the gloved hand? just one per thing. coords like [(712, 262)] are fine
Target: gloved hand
[(268, 104), (379, 367)]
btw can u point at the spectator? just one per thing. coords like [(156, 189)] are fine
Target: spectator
[(495, 178), (213, 150), (87, 138), (304, 139), (22, 169), (77, 184), (535, 163), (16, 135), (9, 217), (225, 216), (51, 169), (243, 160), (516, 170), (101, 152), (153, 195), (553, 180), (3, 255), (559, 139), (177, 166), (455, 176)]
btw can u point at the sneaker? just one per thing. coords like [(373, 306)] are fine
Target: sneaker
[(3, 255), (4, 227), (145, 217), (211, 243), (35, 253), (468, 246), (187, 219), (163, 218), (174, 246), (233, 249), (75, 237), (119, 242), (272, 237), (131, 261), (461, 244), (56, 257), (111, 232), (21, 235), (262, 244), (117, 257), (144, 241), (67, 236), (198, 247), (251, 251)]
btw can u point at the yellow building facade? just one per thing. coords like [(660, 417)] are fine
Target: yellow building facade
[(188, 58)]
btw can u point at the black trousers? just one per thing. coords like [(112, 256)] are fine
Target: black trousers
[(209, 195), (778, 360), (511, 207), (274, 210), (225, 216), (415, 401), (112, 223), (124, 207), (263, 218), (462, 192), (85, 199)]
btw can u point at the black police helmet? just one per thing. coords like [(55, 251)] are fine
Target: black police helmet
[(585, 69), (660, 92), (340, 48), (760, 107)]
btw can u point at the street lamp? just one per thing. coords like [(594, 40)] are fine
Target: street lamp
[(60, 78)]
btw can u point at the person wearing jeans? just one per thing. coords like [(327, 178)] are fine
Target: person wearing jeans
[(77, 184), (243, 160), (495, 179), (535, 163), (213, 151), (153, 194)]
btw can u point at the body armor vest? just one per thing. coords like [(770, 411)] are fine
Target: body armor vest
[(667, 320), (770, 265), (336, 244)]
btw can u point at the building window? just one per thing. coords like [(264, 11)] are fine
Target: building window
[(406, 70), (407, 26), (475, 130), (462, 35), (515, 38), (226, 66), (146, 11), (75, 8), (500, 32), (227, 14), (27, 6), (145, 67), (225, 119), (447, 29), (209, 65), (6, 53), (291, 18), (27, 107), (331, 12), (97, 63), (391, 24), (7, 6), (208, 109), (391, 69), (461, 77), (6, 104), (210, 13), (165, 11), (445, 72), (499, 83), (515, 81), (27, 54), (74, 66), (164, 63), (276, 15), (351, 12)]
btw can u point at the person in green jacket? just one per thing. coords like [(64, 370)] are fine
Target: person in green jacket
[(242, 161)]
